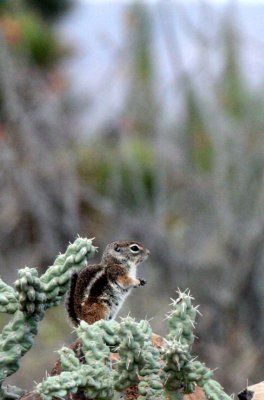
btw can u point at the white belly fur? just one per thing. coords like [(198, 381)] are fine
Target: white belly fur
[(123, 296), (133, 269)]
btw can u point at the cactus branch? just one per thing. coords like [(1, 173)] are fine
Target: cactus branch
[(181, 371), (32, 297), (11, 393), (8, 299)]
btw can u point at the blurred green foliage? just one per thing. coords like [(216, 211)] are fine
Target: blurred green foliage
[(29, 35), (38, 42), (233, 92), (121, 170), (141, 33), (141, 104), (196, 139), (49, 8), (3, 4)]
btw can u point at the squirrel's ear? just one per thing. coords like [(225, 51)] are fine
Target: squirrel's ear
[(116, 247)]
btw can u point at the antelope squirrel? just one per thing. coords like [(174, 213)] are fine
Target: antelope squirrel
[(98, 291)]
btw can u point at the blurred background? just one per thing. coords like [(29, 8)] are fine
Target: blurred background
[(146, 121)]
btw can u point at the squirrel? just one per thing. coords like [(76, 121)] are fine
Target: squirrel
[(98, 291)]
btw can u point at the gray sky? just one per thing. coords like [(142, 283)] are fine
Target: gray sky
[(180, 1), (98, 69)]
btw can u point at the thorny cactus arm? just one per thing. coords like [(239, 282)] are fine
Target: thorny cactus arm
[(11, 393), (198, 373), (31, 295), (110, 334), (158, 377), (181, 370), (150, 386), (181, 319), (69, 361), (132, 337), (139, 360), (34, 296), (97, 356), (60, 385), (67, 382), (8, 299), (214, 391), (57, 277), (94, 378)]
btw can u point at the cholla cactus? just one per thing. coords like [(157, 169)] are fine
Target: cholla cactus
[(32, 297), (182, 372), (132, 337), (150, 385), (167, 372), (139, 363), (8, 298)]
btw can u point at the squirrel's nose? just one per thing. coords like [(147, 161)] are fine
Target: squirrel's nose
[(148, 252)]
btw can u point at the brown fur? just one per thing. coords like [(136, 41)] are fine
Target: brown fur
[(69, 302), (93, 311), (126, 281), (118, 273), (84, 278)]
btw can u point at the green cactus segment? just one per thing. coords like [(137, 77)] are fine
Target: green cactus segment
[(8, 299), (214, 391), (37, 294), (181, 319), (176, 356), (97, 356), (110, 333), (150, 386), (132, 337), (56, 279), (11, 393), (197, 373), (181, 372), (139, 360), (61, 385), (94, 378), (16, 339), (69, 362), (34, 295), (30, 290)]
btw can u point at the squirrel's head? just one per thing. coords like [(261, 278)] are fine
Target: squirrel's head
[(126, 251)]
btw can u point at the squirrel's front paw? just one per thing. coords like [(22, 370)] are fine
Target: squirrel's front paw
[(140, 282)]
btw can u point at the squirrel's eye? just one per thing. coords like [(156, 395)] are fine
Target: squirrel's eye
[(134, 248)]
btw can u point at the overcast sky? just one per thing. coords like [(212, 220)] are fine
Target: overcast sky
[(180, 1), (97, 69)]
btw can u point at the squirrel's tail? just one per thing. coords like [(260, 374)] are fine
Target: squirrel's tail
[(69, 302)]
